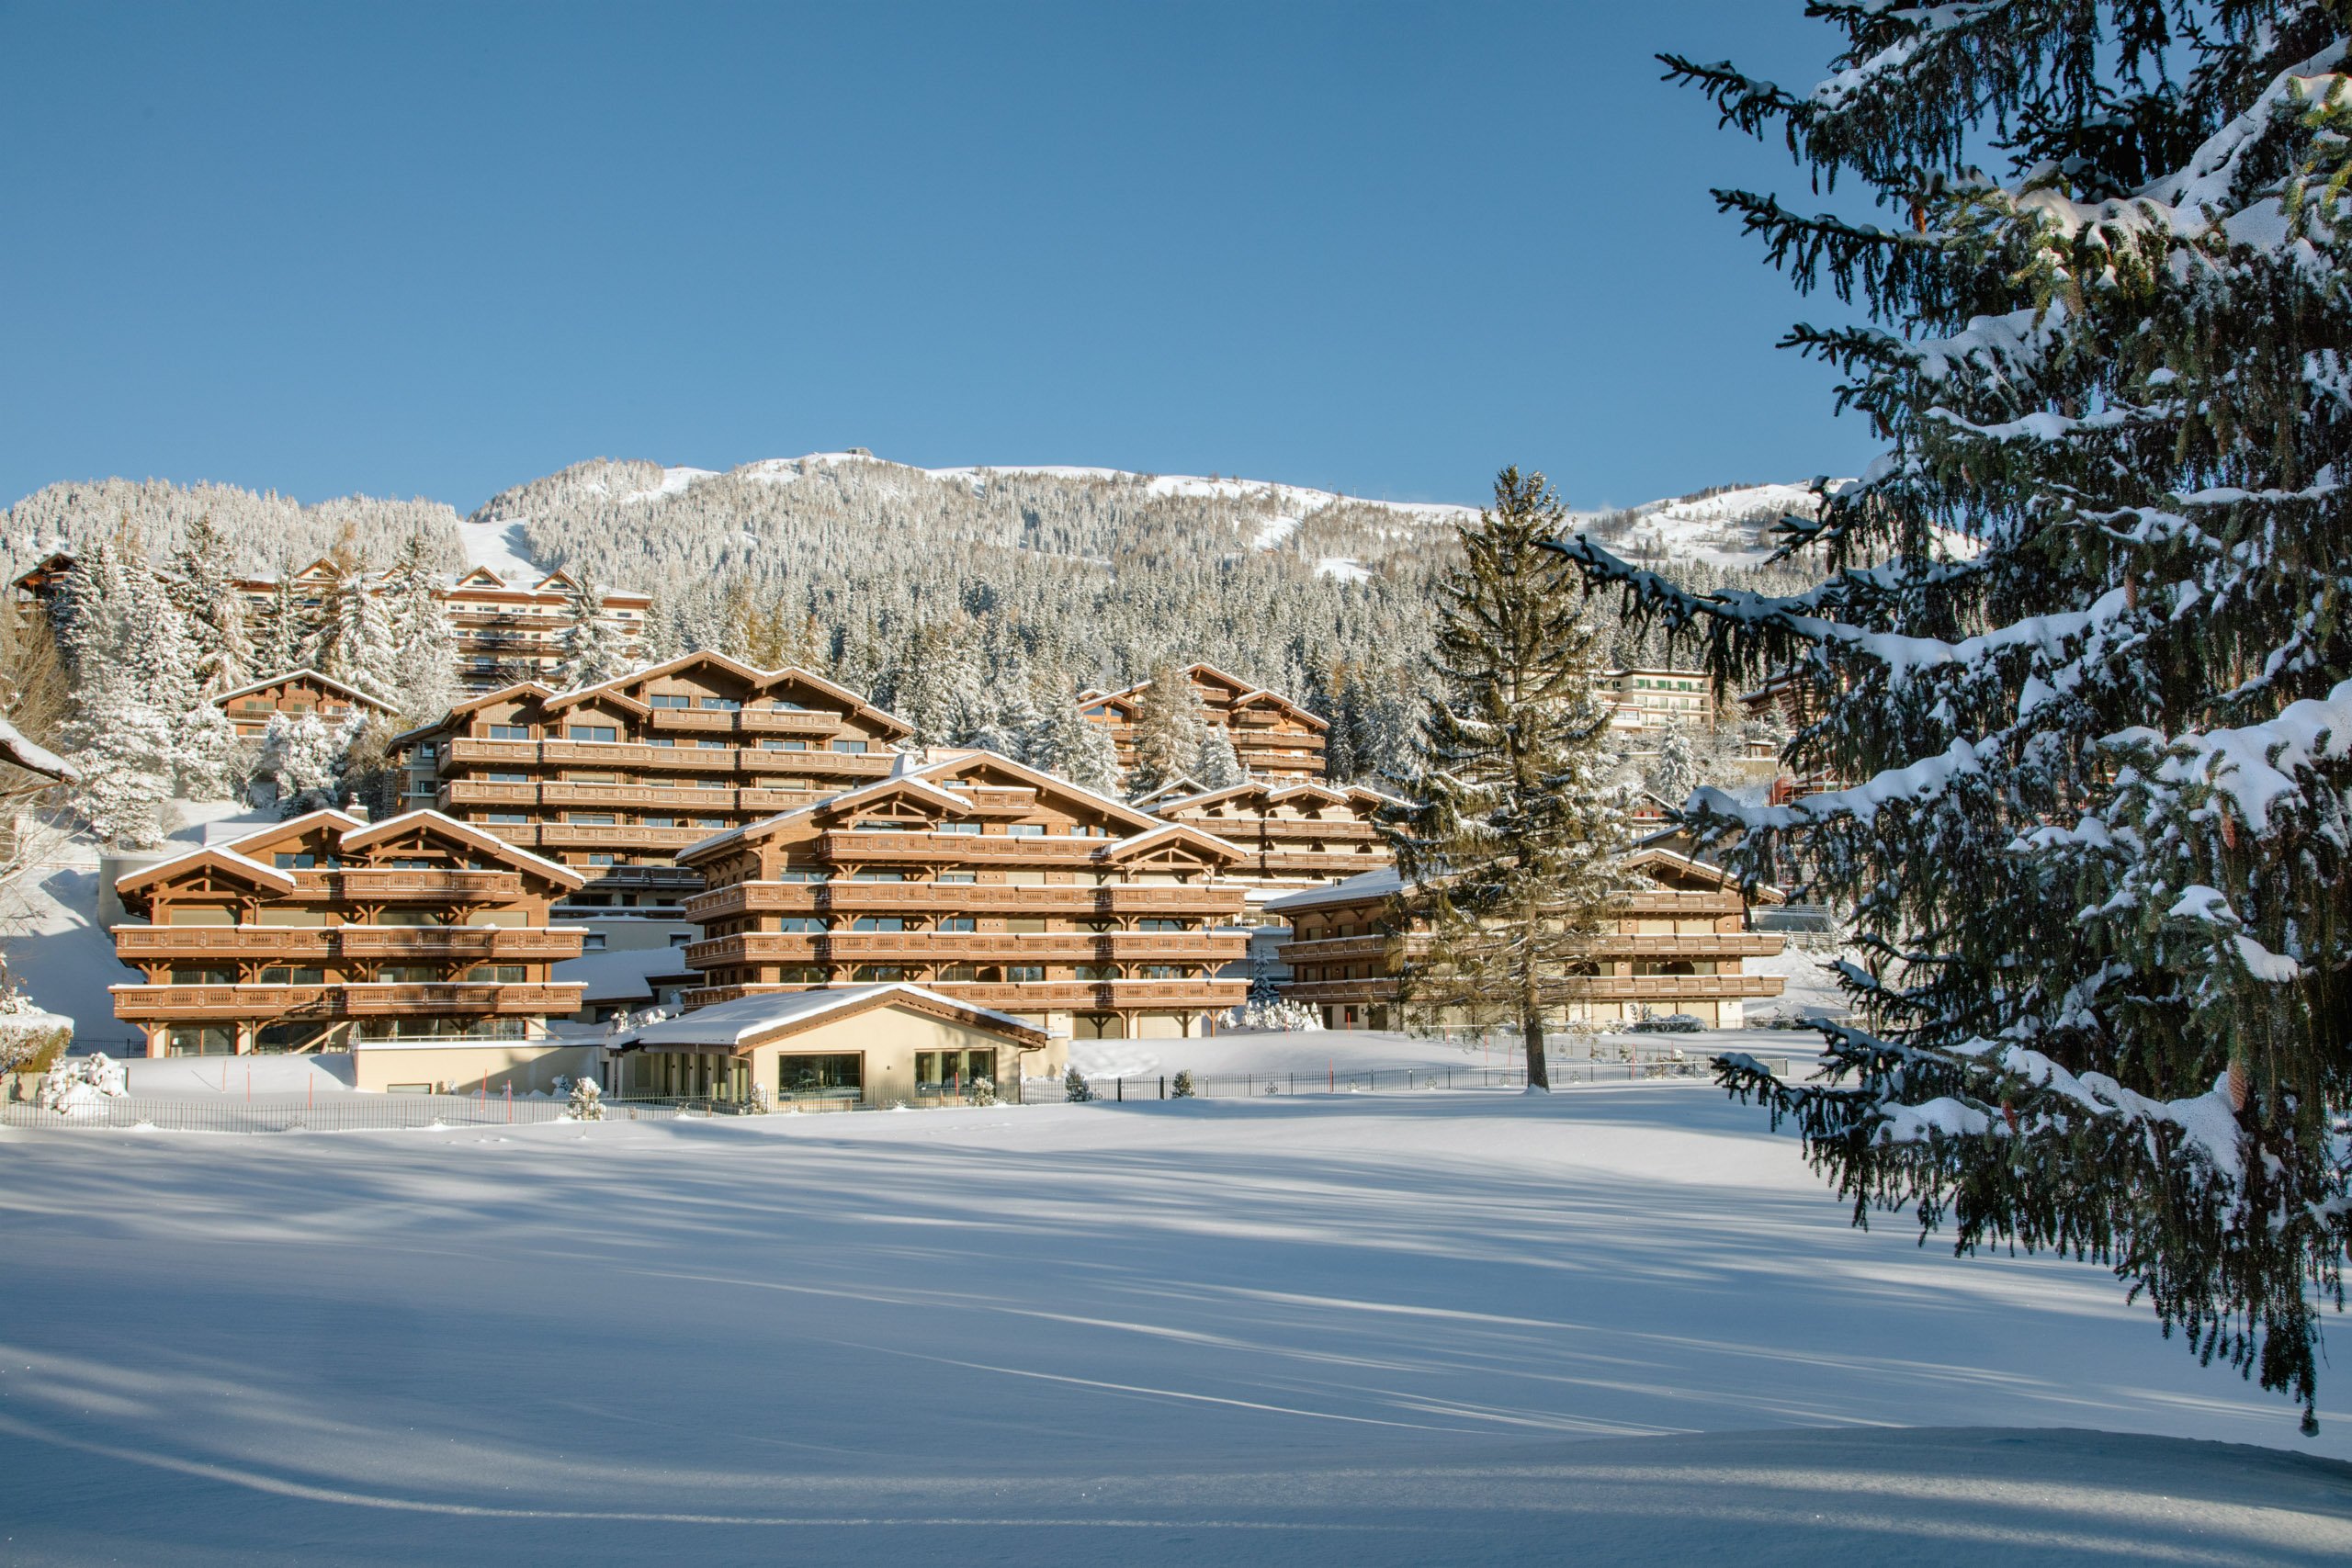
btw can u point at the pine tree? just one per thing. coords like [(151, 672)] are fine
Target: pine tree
[(1673, 772), (424, 649), (2079, 652), (354, 642), (303, 758), (282, 632), (207, 758), (125, 763), (594, 649), (204, 593), (1066, 741), (1169, 721), (1214, 765), (1510, 856)]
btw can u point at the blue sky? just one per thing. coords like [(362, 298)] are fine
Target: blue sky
[(418, 250)]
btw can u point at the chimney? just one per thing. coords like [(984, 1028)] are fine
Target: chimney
[(351, 807)]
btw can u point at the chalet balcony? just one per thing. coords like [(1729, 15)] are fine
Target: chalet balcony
[(1218, 899), (1623, 946), (1059, 996), (840, 770), (315, 945), (141, 1004), (1286, 832), (368, 886), (959, 848), (596, 836), (1336, 950), (968, 947), (1374, 988)]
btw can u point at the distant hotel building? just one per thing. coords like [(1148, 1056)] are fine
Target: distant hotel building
[(1680, 945), (1273, 737), (987, 881)]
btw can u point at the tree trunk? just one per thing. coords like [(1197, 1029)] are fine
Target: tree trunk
[(1531, 1031)]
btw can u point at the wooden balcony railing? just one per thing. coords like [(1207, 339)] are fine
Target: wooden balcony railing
[(404, 999), (1001, 849), (311, 945), (967, 947), (1084, 996), (439, 886), (1216, 899), (592, 835)]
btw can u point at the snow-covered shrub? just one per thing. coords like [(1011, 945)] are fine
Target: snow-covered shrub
[(984, 1091), (75, 1086), (1182, 1088), (1273, 1017), (1667, 1023), (31, 1040), (1074, 1087), (587, 1102)]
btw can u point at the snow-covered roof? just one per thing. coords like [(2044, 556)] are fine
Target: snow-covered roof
[(745, 1019), (622, 974), (466, 833), (1386, 883), (314, 677), (217, 855), (31, 757)]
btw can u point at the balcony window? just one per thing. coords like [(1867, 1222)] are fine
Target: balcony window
[(853, 746), (666, 700), (187, 976), (710, 783), (590, 818), (783, 745), (408, 974), (805, 925), (710, 822), (840, 1076), (1163, 972), (964, 971), (866, 973), (510, 731), (800, 974), (877, 876), (803, 873), (601, 858), (499, 974), (660, 822), (284, 974), (594, 734), (710, 746), (1027, 829), (1161, 926), (781, 706), (956, 923), (296, 862), (507, 778), (955, 827), (721, 704), (505, 818), (1024, 973), (878, 923), (660, 740), (1097, 971), (958, 876)]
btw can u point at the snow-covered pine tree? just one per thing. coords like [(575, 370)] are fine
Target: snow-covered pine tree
[(1066, 741), (1169, 721), (355, 640), (301, 757), (1673, 770), (125, 762), (594, 649), (424, 649), (203, 589), (2080, 654), (1215, 763), (207, 758), (282, 631), (1511, 855)]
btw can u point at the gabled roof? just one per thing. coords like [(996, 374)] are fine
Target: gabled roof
[(1275, 792), (1243, 692), (218, 857), (558, 578), (1386, 883), (481, 576), (504, 694), (315, 677), (1221, 849), (760, 680), (1183, 786), (1762, 893), (749, 1021), (467, 834)]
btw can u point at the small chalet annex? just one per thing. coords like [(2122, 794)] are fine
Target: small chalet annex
[(1680, 945), (325, 932), (616, 779), (297, 693), (1272, 736), (984, 879)]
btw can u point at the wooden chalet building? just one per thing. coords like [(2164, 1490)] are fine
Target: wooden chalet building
[(1295, 833), (295, 694), (1681, 943), (1272, 736), (324, 933), (985, 880), (613, 780)]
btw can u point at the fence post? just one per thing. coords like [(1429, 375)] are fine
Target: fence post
[(1163, 1086), (1119, 1091)]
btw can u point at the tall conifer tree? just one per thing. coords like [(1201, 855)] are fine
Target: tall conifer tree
[(2080, 655), (1510, 852)]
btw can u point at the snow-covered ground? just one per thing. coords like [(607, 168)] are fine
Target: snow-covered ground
[(500, 544), (1621, 1324)]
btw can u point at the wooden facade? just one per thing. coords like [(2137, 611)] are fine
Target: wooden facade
[(294, 693), (985, 880), (326, 931), (1680, 945), (1273, 737), (1645, 704), (1295, 834), (613, 780)]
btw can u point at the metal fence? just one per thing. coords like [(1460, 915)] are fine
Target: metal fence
[(1402, 1080), (337, 1112)]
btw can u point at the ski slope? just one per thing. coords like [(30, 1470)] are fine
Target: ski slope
[(1620, 1324)]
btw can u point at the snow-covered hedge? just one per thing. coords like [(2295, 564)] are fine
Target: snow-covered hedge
[(1273, 1017), (75, 1086)]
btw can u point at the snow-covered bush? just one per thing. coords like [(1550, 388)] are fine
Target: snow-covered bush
[(587, 1102), (1074, 1087), (984, 1091), (1667, 1023), (31, 1040), (1274, 1017), (1182, 1088), (75, 1086)]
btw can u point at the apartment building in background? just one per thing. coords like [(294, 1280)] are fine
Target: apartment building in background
[(328, 932), (1294, 833), (1645, 704), (1273, 737), (985, 880), (613, 780), (1681, 944)]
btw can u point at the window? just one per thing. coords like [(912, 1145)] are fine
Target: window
[(187, 977), (956, 923), (1159, 925), (659, 740), (1162, 972), (820, 1077), (285, 975), (875, 972), (290, 861), (723, 705), (498, 974), (958, 876), (587, 778), (666, 700), (590, 818), (952, 1072), (1027, 829), (504, 819), (959, 971), (510, 732), (782, 707), (203, 1040), (1097, 971), (850, 746), (507, 778), (783, 745), (711, 784), (710, 745), (800, 974), (878, 923), (1022, 973), (660, 821), (407, 973), (710, 822), (602, 857), (802, 873), (804, 924), (955, 827), (877, 876), (595, 734)]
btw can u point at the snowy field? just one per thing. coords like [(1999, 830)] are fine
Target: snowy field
[(1621, 1324)]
